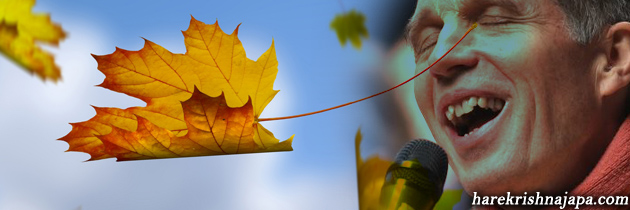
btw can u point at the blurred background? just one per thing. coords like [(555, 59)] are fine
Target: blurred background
[(315, 72)]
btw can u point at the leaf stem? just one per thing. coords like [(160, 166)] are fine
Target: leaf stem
[(372, 96)]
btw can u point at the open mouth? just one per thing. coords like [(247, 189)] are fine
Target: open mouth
[(472, 113)]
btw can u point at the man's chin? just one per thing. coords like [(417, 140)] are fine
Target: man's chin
[(491, 179), (484, 186)]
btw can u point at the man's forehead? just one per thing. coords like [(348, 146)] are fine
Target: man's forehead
[(441, 6), (447, 5), (436, 6)]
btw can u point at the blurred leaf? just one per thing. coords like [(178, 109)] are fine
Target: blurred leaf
[(448, 200), (350, 26), (370, 177), (404, 206), (223, 94), (20, 30)]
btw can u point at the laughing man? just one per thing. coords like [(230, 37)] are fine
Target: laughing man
[(535, 99)]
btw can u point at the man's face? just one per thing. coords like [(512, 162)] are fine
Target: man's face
[(515, 104)]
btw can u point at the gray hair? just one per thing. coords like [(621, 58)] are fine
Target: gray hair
[(586, 19)]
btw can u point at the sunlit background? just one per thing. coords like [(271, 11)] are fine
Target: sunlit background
[(315, 72)]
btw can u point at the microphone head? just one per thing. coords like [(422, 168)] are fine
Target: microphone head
[(430, 156)]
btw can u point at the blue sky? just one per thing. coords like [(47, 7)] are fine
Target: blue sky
[(315, 72)]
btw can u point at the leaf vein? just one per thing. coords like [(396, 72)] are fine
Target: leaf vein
[(210, 127), (171, 67), (214, 59), (150, 76)]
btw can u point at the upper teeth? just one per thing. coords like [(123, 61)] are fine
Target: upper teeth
[(467, 106)]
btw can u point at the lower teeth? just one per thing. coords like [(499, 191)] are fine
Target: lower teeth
[(471, 132)]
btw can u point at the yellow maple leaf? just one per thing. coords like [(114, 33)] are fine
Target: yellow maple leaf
[(204, 102), (20, 30)]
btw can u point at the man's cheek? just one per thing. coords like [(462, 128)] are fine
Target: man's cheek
[(423, 89), (425, 105)]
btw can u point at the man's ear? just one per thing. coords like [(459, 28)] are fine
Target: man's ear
[(615, 75)]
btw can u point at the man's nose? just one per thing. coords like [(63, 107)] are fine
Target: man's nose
[(461, 59)]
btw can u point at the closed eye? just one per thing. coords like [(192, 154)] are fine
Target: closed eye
[(492, 20), (422, 47), (429, 42)]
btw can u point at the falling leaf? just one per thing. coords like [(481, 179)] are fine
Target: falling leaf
[(350, 26), (21, 31), (371, 177), (204, 102)]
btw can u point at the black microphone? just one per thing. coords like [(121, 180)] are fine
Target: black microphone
[(416, 178)]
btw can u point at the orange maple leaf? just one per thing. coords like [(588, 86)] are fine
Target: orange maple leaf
[(20, 30), (214, 65)]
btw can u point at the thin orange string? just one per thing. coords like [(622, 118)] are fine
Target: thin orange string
[(385, 91)]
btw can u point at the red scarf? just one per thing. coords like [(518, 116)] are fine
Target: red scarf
[(611, 175)]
